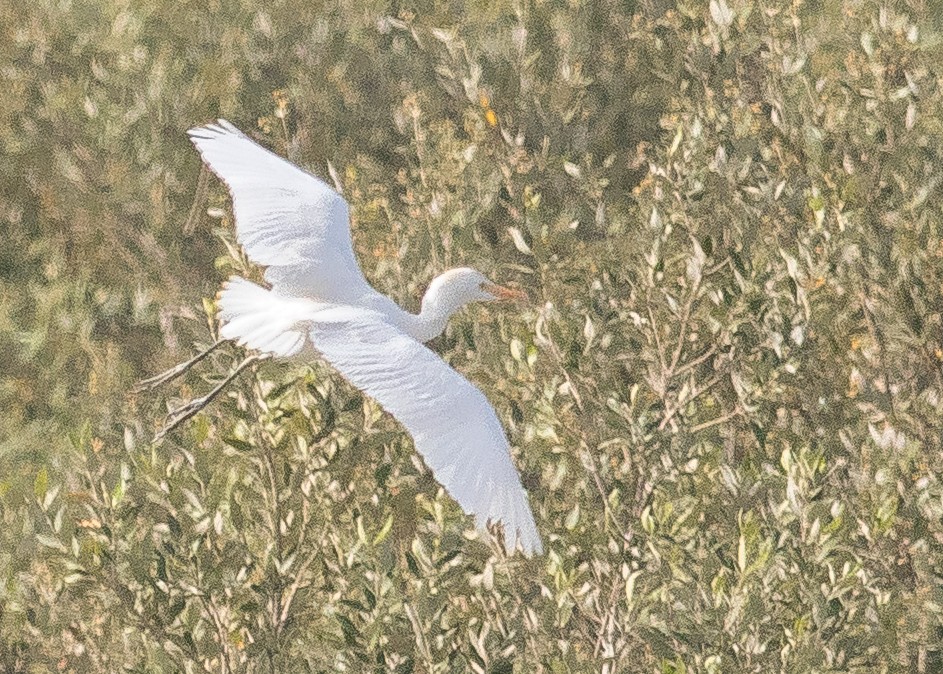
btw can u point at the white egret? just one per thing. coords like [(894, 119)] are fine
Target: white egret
[(320, 304)]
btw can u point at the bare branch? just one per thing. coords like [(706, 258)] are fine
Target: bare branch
[(718, 420), (181, 414), (175, 371)]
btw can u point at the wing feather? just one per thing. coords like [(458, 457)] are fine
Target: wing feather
[(453, 425), (257, 318), (286, 219)]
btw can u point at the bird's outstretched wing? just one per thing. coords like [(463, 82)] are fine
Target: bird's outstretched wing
[(453, 425), (286, 219)]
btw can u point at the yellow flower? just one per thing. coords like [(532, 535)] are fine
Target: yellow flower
[(490, 115), (280, 96)]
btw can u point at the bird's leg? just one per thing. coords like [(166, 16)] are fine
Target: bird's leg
[(184, 412), (175, 371)]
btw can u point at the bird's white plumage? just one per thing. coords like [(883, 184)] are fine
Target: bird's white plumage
[(293, 223), (286, 219), (453, 425), (250, 317)]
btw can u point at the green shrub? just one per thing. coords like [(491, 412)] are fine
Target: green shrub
[(725, 398)]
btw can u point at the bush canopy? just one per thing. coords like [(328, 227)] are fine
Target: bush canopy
[(725, 397)]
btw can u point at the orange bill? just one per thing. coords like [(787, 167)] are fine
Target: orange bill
[(502, 293)]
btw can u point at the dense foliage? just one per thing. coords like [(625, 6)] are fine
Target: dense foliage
[(725, 399)]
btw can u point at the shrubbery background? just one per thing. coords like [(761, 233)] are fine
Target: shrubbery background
[(725, 399)]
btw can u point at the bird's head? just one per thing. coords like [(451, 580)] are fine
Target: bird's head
[(455, 288)]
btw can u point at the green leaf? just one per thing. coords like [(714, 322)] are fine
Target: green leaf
[(241, 445), (384, 531), (351, 633), (742, 553), (572, 518), (41, 484), (51, 542)]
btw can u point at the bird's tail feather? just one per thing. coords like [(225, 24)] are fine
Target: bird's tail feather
[(257, 319)]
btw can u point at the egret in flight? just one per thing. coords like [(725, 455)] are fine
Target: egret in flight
[(320, 304)]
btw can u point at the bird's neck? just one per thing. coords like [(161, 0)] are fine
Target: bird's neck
[(431, 320), (438, 305), (427, 324)]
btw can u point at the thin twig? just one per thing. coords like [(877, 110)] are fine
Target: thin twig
[(661, 350), (882, 352), (419, 634), (294, 587), (681, 403), (175, 371), (589, 464), (717, 267), (303, 567), (222, 633), (684, 367), (718, 420), (566, 375), (685, 316), (199, 197), (181, 414), (607, 621), (276, 519)]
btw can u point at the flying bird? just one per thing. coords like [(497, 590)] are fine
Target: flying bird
[(319, 304)]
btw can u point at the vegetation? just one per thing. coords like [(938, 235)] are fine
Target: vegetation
[(725, 399)]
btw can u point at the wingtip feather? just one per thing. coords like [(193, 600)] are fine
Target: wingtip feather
[(210, 130), (513, 515)]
